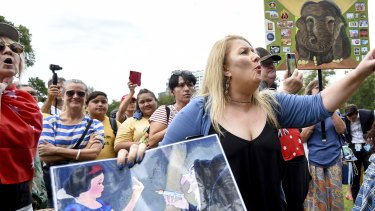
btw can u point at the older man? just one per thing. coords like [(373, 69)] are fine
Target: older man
[(296, 175)]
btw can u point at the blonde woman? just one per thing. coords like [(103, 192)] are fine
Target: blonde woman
[(247, 120)]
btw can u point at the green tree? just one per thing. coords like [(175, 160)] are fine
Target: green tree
[(40, 86), (165, 98), (311, 75), (25, 40), (114, 105), (365, 95)]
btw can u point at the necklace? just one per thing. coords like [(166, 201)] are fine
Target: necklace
[(235, 101), (175, 107)]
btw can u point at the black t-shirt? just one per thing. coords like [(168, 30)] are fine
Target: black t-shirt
[(256, 166)]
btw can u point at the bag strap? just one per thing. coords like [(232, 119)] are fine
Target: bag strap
[(83, 135), (168, 110), (113, 123)]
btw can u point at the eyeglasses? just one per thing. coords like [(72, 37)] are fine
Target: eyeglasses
[(268, 63), (71, 93), (180, 72), (15, 47)]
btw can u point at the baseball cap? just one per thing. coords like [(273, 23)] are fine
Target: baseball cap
[(123, 97), (350, 109), (9, 31), (264, 55)]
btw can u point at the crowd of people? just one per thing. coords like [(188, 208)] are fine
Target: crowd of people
[(261, 130)]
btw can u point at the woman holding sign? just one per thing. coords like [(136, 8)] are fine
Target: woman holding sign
[(247, 120)]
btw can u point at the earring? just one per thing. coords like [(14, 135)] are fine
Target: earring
[(227, 83), (17, 75)]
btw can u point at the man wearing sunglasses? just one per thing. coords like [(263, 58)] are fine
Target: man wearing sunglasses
[(358, 122), (296, 175)]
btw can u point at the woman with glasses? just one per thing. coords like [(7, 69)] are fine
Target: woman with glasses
[(325, 166), (181, 84), (63, 139), (133, 131), (97, 107), (20, 126)]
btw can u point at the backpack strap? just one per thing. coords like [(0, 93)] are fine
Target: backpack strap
[(83, 134), (113, 123), (168, 110)]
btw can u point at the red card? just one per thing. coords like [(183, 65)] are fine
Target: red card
[(135, 77)]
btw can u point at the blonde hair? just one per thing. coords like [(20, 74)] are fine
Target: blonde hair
[(214, 85), (74, 81)]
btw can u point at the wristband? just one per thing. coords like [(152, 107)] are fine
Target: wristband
[(78, 153)]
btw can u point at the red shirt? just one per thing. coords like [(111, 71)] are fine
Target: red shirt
[(20, 128), (291, 143)]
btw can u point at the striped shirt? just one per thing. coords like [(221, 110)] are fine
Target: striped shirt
[(160, 115), (66, 136), (366, 196)]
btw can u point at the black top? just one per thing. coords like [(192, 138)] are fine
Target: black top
[(256, 166)]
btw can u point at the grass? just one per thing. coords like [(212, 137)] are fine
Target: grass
[(348, 205)]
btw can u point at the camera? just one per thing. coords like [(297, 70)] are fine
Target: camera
[(55, 67)]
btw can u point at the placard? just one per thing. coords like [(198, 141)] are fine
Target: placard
[(323, 34), (190, 175)]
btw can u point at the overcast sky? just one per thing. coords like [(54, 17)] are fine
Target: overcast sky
[(100, 41)]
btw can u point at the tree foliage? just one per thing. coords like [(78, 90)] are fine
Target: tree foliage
[(112, 106), (365, 95), (165, 98), (40, 86), (25, 40), (311, 75)]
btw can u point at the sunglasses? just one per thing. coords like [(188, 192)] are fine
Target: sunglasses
[(268, 63), (71, 93), (15, 47), (180, 72)]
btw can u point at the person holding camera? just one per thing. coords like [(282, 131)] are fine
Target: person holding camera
[(53, 104), (20, 126)]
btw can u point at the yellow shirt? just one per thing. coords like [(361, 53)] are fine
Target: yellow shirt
[(109, 139), (132, 130)]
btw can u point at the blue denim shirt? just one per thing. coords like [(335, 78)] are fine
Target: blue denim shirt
[(294, 111)]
